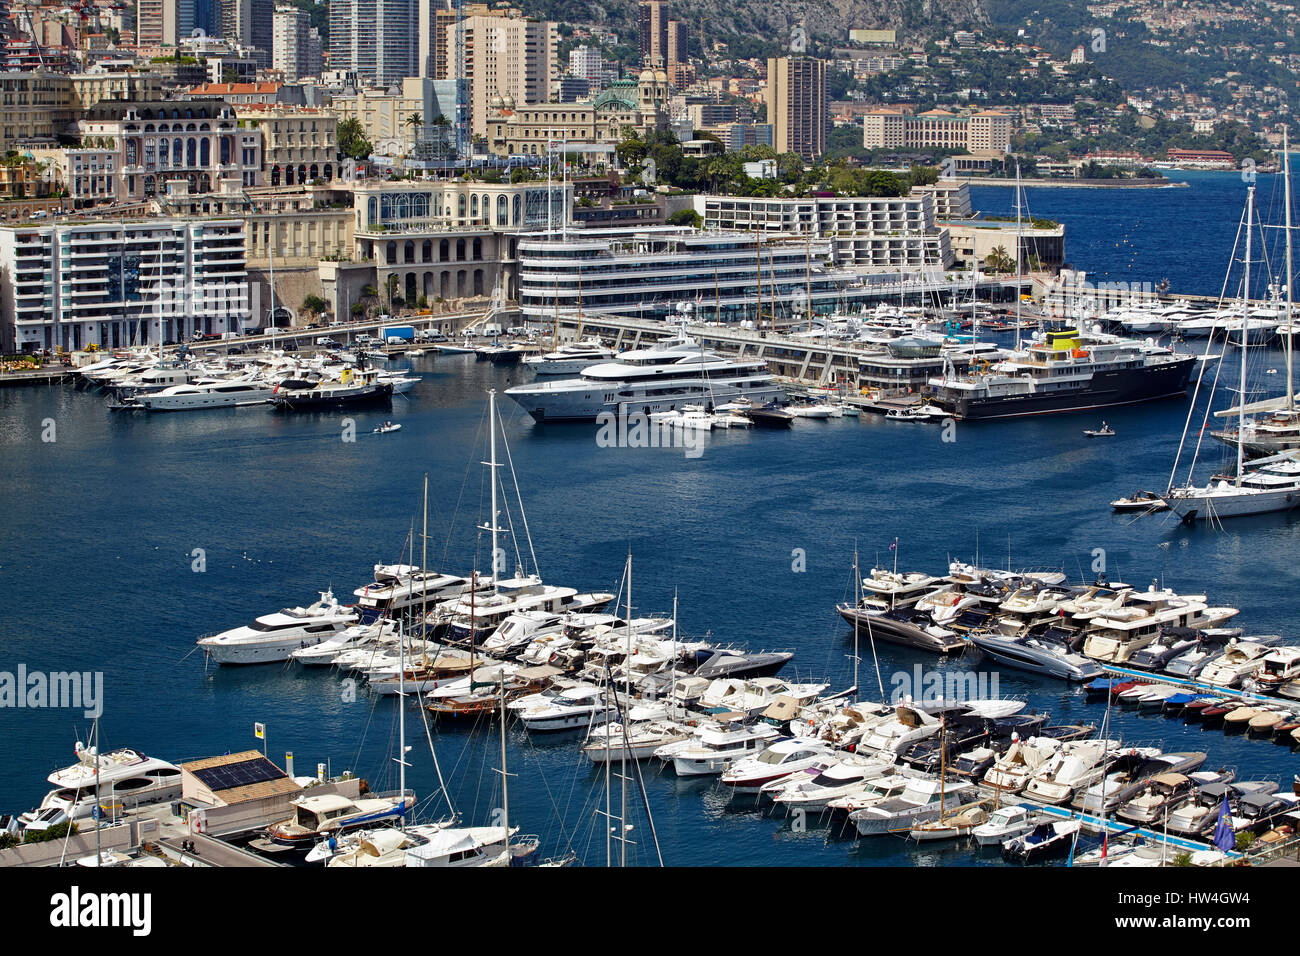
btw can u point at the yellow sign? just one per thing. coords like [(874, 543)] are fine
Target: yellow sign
[(259, 731)]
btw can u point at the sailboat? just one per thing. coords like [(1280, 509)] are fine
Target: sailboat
[(1280, 430), (962, 821), (1249, 492), (469, 622)]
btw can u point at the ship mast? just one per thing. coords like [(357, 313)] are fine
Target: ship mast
[(1286, 180), (1017, 256), (1245, 313)]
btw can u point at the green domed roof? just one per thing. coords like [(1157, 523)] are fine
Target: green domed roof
[(619, 95)]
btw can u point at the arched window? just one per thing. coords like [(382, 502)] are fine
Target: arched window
[(191, 152), (409, 251), (205, 152), (460, 205), (178, 152), (390, 253), (518, 211), (473, 206), (426, 251), (225, 151), (460, 250), (162, 152), (478, 248), (444, 250), (372, 208), (503, 210)]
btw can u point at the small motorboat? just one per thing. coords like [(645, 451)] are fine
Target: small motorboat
[(413, 353), (1214, 716), (1005, 824), (770, 416), (1140, 501), (1194, 710), (387, 427), (1283, 731), (1046, 840), (1263, 723), (1236, 721), (813, 410), (1105, 431)]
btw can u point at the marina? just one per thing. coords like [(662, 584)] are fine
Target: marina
[(743, 555)]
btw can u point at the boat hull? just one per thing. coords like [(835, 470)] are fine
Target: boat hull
[(1104, 390), (586, 405), (900, 632)]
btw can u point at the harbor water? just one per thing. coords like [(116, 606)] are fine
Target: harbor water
[(128, 536)]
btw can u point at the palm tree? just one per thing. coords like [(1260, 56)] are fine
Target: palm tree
[(998, 260), (416, 122)]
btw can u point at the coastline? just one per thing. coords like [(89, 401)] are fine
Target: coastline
[(1076, 183)]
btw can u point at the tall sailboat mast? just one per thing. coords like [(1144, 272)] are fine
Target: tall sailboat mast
[(1245, 312), (1286, 181), (1017, 256), (492, 473)]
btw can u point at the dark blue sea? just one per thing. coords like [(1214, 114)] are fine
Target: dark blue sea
[(101, 525)]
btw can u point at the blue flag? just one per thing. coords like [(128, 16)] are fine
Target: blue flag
[(1225, 837)]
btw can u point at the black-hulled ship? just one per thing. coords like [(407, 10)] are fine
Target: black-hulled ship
[(1066, 372), (356, 387)]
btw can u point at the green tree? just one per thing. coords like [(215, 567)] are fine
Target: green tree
[(315, 305), (686, 217), (352, 139)]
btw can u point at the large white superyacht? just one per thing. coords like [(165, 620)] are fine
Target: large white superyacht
[(660, 378)]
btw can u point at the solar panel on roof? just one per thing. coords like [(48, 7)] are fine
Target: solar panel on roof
[(258, 770)]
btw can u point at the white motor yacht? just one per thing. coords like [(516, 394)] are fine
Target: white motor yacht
[(715, 750), (355, 637), (572, 709), (273, 637), (922, 801), (1006, 823), (1239, 660), (126, 779), (209, 393), (656, 379), (572, 358), (781, 760), (815, 791)]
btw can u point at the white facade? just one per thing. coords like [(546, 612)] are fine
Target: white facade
[(865, 232), (586, 62), (295, 45), (67, 285)]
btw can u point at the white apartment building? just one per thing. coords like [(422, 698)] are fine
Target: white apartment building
[(586, 62), (295, 44), (864, 232), (67, 285)]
